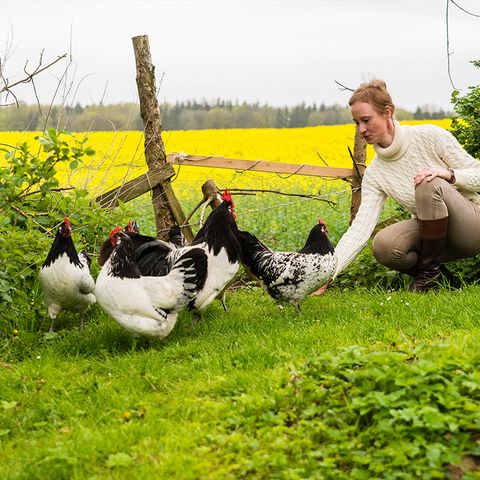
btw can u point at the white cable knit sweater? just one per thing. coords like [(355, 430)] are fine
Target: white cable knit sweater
[(391, 173)]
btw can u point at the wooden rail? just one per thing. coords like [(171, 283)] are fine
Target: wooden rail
[(259, 166), (136, 187)]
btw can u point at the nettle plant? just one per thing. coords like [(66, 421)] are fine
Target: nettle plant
[(31, 203), (28, 180)]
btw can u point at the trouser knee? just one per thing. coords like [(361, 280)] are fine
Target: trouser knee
[(382, 249), (394, 251)]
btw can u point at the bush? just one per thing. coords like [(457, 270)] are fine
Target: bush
[(466, 118), (32, 206)]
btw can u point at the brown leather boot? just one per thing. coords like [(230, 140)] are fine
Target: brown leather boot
[(433, 235)]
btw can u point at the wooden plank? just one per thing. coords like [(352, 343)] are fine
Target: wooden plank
[(259, 166), (136, 187)]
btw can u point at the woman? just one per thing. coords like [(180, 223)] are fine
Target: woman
[(425, 170)]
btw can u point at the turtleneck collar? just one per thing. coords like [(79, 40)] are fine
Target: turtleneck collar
[(401, 140)]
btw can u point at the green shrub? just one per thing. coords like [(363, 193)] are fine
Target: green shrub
[(32, 206)]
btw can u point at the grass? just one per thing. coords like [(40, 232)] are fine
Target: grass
[(98, 404)]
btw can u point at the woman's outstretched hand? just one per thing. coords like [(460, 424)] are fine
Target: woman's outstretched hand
[(321, 290)]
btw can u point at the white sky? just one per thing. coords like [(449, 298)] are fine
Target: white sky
[(276, 52)]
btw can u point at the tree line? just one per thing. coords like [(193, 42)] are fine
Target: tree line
[(188, 115)]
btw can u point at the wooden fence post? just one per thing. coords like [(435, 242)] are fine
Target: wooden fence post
[(166, 207), (359, 157)]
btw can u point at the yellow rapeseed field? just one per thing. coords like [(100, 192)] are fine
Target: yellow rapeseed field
[(119, 155)]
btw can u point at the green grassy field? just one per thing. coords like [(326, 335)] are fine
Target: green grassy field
[(365, 383), (215, 400)]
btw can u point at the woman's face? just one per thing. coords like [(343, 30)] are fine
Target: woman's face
[(374, 127)]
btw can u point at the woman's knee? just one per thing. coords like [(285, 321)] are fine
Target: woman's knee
[(382, 248), (394, 246), (426, 190)]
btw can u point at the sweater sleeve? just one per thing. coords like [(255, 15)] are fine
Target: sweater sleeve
[(465, 167), (356, 237)]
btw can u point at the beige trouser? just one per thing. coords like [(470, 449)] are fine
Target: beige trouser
[(397, 246)]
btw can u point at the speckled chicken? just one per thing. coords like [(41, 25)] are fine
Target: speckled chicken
[(290, 276)]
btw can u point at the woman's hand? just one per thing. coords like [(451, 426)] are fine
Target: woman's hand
[(321, 290), (429, 173)]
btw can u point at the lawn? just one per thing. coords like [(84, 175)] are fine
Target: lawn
[(215, 400)]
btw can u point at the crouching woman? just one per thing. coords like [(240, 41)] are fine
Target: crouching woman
[(425, 170)]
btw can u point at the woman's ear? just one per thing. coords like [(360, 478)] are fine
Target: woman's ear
[(388, 112)]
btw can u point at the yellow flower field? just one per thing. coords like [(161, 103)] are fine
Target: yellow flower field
[(119, 155)]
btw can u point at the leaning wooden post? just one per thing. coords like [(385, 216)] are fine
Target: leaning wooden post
[(167, 208), (359, 157)]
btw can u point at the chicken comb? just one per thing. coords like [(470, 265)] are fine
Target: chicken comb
[(115, 230), (321, 222), (66, 220), (227, 196)]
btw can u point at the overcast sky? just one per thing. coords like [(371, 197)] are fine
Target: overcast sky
[(276, 52)]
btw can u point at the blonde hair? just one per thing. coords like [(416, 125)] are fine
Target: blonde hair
[(375, 93)]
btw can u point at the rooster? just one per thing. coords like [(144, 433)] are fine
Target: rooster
[(65, 276), (148, 306), (175, 236), (133, 232), (290, 276), (218, 238)]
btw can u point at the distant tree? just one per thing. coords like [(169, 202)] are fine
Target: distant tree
[(218, 117)]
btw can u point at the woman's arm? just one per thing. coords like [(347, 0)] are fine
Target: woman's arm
[(466, 169), (356, 237)]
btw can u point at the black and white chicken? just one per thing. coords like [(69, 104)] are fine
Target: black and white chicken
[(148, 306), (175, 236), (65, 276), (218, 238), (132, 230), (290, 276)]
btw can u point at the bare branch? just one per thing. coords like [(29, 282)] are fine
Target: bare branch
[(448, 47), (29, 76), (321, 158), (343, 87), (463, 10)]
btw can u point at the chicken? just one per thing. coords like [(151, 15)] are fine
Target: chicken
[(218, 238), (175, 236), (133, 232), (148, 306), (290, 276), (65, 277)]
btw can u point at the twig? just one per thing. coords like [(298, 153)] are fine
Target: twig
[(321, 158), (249, 191), (197, 206), (29, 76), (343, 87), (60, 189), (463, 10), (26, 215), (448, 48)]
